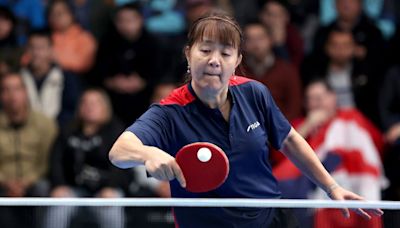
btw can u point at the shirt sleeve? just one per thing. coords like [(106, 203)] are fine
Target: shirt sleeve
[(276, 124), (153, 127)]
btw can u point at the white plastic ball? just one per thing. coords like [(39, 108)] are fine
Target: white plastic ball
[(204, 154)]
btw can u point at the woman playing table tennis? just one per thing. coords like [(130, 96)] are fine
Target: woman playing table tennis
[(232, 112)]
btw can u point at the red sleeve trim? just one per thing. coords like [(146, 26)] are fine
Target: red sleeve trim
[(238, 80), (180, 96)]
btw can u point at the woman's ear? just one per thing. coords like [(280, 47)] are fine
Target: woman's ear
[(187, 54), (239, 60)]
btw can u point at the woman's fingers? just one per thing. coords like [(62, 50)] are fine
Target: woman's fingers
[(375, 212), (346, 212), (342, 194), (362, 213), (179, 174), (169, 173)]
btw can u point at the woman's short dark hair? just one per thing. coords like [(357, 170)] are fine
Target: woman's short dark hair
[(219, 26)]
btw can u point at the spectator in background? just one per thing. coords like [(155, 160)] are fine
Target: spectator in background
[(51, 90), (304, 15), (348, 145), (262, 64), (368, 39), (354, 83), (8, 37), (6, 66), (80, 167), (128, 64), (74, 48), (10, 53), (390, 113), (29, 15), (245, 11), (92, 15), (25, 140), (286, 40), (381, 12)]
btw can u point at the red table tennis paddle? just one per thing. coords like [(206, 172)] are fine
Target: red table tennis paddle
[(204, 166)]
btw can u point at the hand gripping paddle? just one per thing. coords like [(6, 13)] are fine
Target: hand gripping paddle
[(204, 166)]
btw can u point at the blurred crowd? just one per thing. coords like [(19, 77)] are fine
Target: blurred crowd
[(76, 73)]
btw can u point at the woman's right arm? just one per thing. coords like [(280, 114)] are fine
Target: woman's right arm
[(128, 151)]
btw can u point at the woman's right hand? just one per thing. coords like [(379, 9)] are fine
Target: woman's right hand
[(164, 167)]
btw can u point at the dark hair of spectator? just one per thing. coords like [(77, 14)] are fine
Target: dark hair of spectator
[(284, 4), (52, 3), (5, 13), (340, 31), (136, 7), (10, 74), (256, 22), (322, 82), (45, 33)]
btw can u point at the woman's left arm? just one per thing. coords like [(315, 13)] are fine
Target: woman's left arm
[(302, 155)]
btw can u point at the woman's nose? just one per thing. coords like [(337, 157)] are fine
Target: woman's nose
[(214, 60)]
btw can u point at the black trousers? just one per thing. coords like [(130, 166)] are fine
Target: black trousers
[(284, 218)]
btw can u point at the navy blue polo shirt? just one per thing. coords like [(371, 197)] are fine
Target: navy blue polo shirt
[(255, 122)]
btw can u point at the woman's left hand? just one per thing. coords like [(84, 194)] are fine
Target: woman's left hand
[(340, 193)]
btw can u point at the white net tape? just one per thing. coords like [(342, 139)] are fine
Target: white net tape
[(207, 202)]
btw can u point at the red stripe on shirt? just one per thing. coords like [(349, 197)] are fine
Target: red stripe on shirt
[(180, 96)]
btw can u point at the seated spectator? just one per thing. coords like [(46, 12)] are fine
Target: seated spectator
[(369, 42), (348, 145), (286, 40), (74, 48), (354, 82), (92, 15), (30, 14), (8, 37), (127, 64), (280, 76), (79, 164), (381, 12), (10, 52), (390, 113), (25, 140), (304, 16), (52, 91)]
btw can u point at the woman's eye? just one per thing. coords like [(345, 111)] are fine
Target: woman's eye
[(226, 54)]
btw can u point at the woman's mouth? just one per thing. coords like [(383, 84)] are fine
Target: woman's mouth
[(212, 74)]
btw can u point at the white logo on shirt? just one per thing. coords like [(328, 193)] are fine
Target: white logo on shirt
[(253, 126)]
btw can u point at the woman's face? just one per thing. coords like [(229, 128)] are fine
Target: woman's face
[(60, 18), (93, 108), (212, 64)]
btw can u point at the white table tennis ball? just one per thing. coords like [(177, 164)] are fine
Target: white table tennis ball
[(204, 154)]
